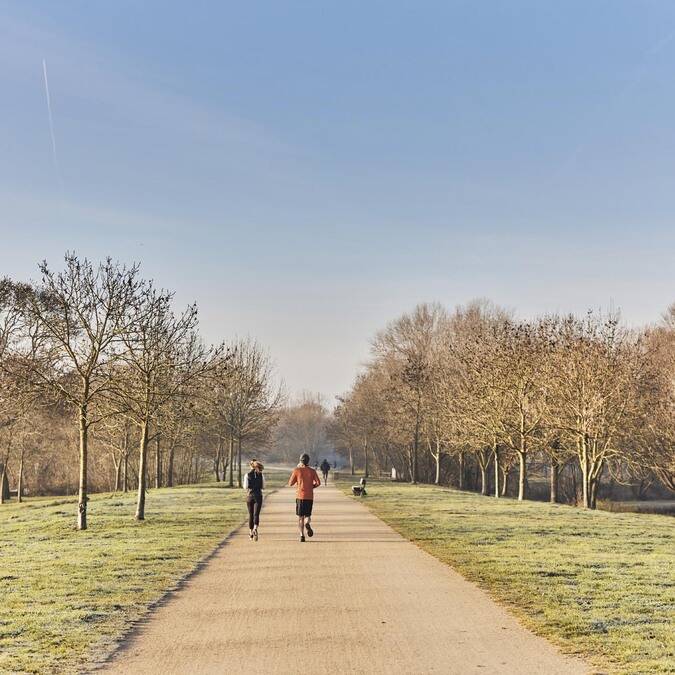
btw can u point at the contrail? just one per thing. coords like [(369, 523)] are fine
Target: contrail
[(639, 73), (51, 122)]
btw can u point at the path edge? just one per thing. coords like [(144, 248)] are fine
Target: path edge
[(120, 644), (585, 659)]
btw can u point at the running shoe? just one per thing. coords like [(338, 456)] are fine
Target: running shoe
[(255, 535), (302, 537), (310, 531)]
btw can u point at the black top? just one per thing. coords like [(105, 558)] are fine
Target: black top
[(255, 482)]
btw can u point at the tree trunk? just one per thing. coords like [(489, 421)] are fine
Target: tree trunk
[(365, 458), (522, 476), (118, 470), (351, 460), (231, 461), (216, 464), (216, 468), (483, 480), (125, 472), (239, 476), (496, 458), (437, 457), (595, 474), (4, 484), (413, 467), (82, 497), (142, 472), (593, 492), (461, 470), (505, 481), (555, 469), (158, 462), (4, 479), (19, 487), (584, 475), (169, 468)]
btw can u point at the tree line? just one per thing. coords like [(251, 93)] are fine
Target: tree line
[(475, 395), (96, 354), (302, 427)]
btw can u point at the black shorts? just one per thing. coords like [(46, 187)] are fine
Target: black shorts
[(303, 507)]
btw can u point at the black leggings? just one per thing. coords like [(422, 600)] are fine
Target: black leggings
[(254, 504)]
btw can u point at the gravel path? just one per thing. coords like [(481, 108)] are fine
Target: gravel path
[(357, 598)]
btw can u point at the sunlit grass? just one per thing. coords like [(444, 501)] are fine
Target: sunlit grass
[(66, 596), (598, 584)]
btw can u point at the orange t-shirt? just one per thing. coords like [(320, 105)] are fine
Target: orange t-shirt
[(306, 479)]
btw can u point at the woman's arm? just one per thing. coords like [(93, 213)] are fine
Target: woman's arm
[(245, 481)]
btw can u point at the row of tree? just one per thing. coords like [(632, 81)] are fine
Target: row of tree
[(98, 346), (582, 395), (302, 427)]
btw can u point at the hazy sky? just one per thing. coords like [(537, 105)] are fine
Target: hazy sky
[(308, 170)]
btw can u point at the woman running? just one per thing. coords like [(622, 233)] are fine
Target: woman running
[(254, 484)]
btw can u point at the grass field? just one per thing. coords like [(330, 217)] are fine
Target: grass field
[(66, 596), (597, 584)]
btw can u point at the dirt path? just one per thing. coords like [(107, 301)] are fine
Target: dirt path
[(356, 598)]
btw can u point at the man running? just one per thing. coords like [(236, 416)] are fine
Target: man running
[(325, 468), (306, 480)]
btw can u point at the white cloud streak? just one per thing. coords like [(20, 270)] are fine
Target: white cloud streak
[(51, 124)]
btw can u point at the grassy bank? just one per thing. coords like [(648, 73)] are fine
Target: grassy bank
[(66, 595), (598, 584)]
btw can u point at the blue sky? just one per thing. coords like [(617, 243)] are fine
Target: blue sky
[(306, 170)]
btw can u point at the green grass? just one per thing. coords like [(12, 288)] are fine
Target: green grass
[(67, 596), (598, 584)]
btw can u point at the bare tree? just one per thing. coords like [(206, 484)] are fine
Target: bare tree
[(253, 399), (162, 354), (597, 371), (480, 401), (564, 390), (408, 344), (302, 427), (76, 318), (15, 399), (219, 413), (521, 360), (655, 439), (116, 434)]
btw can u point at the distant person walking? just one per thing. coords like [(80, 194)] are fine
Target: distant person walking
[(325, 468), (306, 480), (254, 484)]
